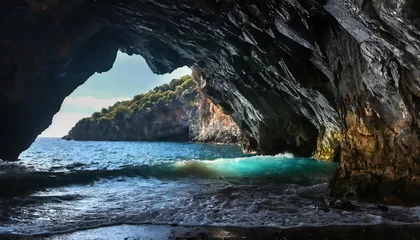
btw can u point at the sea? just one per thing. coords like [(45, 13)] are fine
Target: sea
[(63, 186)]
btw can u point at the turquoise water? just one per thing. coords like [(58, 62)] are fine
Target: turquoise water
[(69, 185)]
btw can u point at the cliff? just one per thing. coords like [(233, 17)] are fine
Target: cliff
[(332, 79), (208, 123), (177, 111)]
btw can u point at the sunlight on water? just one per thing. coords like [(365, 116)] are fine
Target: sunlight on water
[(259, 167)]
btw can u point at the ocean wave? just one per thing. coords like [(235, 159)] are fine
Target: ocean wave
[(281, 168), (285, 155)]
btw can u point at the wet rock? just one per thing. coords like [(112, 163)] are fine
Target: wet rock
[(75, 165), (342, 204), (382, 208)]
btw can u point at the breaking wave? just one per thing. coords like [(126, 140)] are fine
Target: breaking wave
[(279, 168)]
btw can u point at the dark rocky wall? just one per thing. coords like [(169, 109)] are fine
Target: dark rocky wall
[(374, 59), (45, 59), (324, 78)]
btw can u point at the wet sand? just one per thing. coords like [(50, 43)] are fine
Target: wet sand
[(161, 232)]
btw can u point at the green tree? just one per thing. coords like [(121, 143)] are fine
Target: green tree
[(165, 87), (104, 120), (121, 111), (146, 105), (155, 97), (159, 95), (96, 115), (174, 83), (188, 83), (138, 97)]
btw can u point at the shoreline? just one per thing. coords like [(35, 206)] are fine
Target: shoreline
[(150, 231)]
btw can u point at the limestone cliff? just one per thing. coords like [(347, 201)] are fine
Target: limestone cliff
[(177, 111), (313, 77), (208, 123)]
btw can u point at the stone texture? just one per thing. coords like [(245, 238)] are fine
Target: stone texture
[(289, 73), (208, 123), (373, 54)]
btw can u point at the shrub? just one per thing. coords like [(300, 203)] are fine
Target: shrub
[(162, 100), (96, 115), (121, 112), (155, 97), (146, 105), (85, 121), (175, 82), (192, 103), (165, 87), (179, 90), (159, 95), (104, 120), (136, 109), (171, 95), (138, 97), (188, 83)]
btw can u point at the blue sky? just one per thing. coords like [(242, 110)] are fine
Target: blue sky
[(129, 76)]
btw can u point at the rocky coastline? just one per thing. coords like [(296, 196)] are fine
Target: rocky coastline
[(176, 112)]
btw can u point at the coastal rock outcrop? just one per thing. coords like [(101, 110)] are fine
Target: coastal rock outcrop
[(208, 123), (336, 79), (176, 112)]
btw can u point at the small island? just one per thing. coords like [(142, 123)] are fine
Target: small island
[(177, 112)]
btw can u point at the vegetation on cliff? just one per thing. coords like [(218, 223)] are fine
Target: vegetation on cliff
[(163, 94), (177, 111)]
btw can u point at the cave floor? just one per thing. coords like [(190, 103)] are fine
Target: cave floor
[(137, 232)]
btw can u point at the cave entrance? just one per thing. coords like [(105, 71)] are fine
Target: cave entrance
[(129, 76), (101, 182)]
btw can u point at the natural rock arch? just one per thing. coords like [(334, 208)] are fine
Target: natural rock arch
[(302, 75)]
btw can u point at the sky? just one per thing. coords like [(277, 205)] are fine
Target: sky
[(129, 76)]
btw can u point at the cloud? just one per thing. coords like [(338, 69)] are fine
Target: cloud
[(92, 102), (64, 121), (62, 124)]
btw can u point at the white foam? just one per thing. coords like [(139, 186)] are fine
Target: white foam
[(198, 203), (285, 155), (277, 157)]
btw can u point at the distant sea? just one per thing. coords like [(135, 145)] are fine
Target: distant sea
[(65, 186)]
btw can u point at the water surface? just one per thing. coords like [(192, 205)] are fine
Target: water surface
[(69, 185)]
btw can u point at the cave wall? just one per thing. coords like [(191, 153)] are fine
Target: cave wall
[(335, 79), (44, 59), (375, 60)]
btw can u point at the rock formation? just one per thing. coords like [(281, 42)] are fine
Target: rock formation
[(313, 77), (208, 123), (176, 112)]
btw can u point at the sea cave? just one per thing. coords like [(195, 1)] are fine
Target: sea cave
[(334, 81)]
